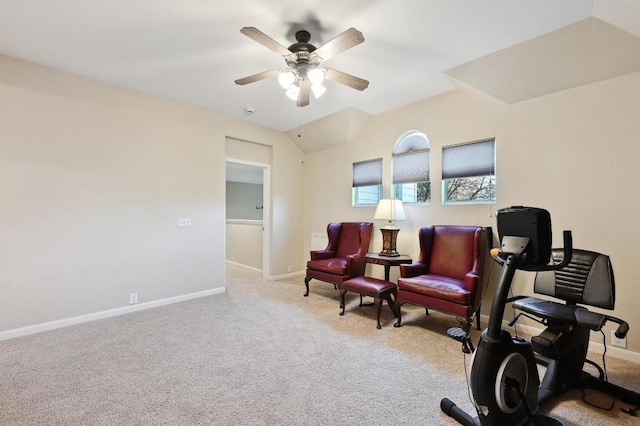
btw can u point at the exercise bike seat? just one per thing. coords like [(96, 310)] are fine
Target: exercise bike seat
[(586, 280), (553, 312)]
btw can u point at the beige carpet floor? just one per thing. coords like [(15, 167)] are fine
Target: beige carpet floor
[(260, 354)]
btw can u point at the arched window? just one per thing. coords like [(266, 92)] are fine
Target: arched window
[(410, 168)]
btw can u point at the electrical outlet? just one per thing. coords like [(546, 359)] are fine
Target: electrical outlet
[(289, 268), (621, 343), (133, 298), (184, 221)]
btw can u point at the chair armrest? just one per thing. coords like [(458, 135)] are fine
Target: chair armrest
[(322, 254), (471, 280), (472, 284), (356, 264), (413, 270)]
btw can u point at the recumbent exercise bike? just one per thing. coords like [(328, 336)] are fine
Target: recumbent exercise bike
[(504, 381)]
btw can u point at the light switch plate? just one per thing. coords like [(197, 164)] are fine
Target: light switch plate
[(184, 221)]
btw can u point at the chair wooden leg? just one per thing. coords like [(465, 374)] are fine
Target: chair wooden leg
[(365, 304), (342, 304), (466, 325), (306, 283), (426, 310), (461, 334)]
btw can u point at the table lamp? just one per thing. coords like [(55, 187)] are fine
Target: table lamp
[(391, 210)]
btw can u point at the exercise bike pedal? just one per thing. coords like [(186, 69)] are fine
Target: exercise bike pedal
[(457, 333)]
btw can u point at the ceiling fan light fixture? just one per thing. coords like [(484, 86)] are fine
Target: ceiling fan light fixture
[(303, 72), (318, 90), (286, 79), (316, 76), (292, 92)]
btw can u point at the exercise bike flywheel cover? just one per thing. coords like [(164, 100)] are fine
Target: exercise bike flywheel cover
[(513, 369)]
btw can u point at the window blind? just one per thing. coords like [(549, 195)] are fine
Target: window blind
[(367, 173), (468, 160), (411, 167)]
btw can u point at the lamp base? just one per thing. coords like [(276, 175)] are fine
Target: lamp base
[(389, 253), (389, 237)]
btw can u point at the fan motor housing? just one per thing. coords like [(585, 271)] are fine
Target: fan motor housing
[(302, 45)]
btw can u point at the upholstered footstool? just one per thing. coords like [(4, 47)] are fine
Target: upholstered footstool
[(372, 287)]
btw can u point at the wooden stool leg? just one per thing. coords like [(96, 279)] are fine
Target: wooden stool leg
[(392, 305), (342, 293), (399, 310), (378, 303)]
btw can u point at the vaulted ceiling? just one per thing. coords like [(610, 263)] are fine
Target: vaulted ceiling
[(192, 51)]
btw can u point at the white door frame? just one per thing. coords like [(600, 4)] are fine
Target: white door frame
[(266, 211)]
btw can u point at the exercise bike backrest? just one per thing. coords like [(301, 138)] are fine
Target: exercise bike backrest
[(525, 243)]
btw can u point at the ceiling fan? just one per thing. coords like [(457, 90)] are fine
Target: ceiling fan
[(304, 71)]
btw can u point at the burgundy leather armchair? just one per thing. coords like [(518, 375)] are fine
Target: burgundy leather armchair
[(449, 275), (344, 257)]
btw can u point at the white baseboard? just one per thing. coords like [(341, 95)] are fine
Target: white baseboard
[(52, 325), (285, 276), (594, 346), (243, 266), (271, 278)]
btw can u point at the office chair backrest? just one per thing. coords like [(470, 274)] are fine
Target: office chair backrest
[(587, 280)]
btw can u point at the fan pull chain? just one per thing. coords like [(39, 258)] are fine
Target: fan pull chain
[(299, 122)]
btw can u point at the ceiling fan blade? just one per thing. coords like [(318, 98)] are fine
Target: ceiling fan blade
[(258, 77), (346, 79), (303, 95), (265, 40), (339, 44)]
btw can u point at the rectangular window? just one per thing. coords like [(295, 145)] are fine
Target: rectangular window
[(367, 182), (411, 176), (468, 172)]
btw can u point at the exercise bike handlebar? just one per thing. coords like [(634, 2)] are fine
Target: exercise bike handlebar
[(568, 250), (623, 327)]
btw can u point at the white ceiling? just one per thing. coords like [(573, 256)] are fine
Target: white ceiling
[(192, 50)]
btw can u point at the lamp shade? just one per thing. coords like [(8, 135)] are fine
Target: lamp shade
[(292, 92), (316, 76), (286, 79), (389, 209)]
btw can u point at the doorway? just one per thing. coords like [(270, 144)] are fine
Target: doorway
[(248, 214)]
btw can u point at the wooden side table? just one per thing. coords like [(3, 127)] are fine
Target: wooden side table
[(387, 261)]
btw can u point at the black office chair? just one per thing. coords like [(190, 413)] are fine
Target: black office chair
[(587, 280)]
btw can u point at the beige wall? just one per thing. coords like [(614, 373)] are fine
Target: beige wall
[(573, 153), (93, 179), (244, 242)]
